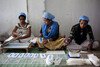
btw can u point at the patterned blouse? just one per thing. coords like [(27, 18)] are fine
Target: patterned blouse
[(80, 35)]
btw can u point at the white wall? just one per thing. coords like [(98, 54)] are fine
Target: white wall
[(9, 11), (68, 12), (35, 11)]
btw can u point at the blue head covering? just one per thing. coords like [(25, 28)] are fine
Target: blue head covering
[(84, 18), (22, 14), (47, 15)]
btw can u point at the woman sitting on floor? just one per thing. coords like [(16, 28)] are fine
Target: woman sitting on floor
[(79, 34), (49, 34), (22, 31)]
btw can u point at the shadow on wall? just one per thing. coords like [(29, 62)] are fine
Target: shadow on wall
[(3, 37)]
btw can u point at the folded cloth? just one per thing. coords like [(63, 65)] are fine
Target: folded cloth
[(73, 54), (94, 59), (74, 48)]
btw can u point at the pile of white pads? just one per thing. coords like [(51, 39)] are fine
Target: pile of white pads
[(92, 59)]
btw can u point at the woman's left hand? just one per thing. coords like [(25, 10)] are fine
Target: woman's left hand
[(90, 45), (17, 38), (45, 41)]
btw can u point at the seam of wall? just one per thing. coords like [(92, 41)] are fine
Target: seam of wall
[(44, 1), (27, 11)]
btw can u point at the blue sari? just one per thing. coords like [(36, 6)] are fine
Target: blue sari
[(51, 31)]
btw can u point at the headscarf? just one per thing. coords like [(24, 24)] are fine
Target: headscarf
[(84, 18), (48, 15)]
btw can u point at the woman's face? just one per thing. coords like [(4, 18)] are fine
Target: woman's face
[(46, 21), (22, 19), (83, 23)]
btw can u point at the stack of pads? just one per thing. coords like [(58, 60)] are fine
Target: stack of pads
[(75, 58)]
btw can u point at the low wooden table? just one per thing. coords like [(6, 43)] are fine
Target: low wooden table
[(25, 46)]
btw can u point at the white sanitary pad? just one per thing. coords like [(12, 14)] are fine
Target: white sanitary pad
[(73, 54), (49, 59), (77, 61), (43, 56), (35, 55)]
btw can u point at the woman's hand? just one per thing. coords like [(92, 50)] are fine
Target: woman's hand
[(45, 41), (14, 34), (68, 41), (18, 37), (90, 45)]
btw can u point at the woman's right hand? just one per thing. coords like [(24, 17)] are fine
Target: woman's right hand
[(45, 41), (40, 35), (15, 34), (68, 41)]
